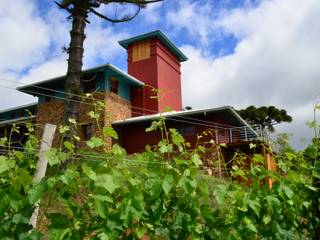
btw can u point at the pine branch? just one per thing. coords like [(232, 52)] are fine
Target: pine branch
[(124, 19), (137, 2)]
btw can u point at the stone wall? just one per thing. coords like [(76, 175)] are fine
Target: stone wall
[(116, 108), (49, 112)]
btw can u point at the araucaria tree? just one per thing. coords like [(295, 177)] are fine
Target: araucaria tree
[(265, 116), (79, 11)]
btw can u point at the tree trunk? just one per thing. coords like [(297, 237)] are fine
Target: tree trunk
[(75, 50)]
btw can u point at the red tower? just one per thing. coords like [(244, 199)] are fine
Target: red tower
[(154, 60)]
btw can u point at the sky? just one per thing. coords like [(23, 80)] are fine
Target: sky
[(241, 52)]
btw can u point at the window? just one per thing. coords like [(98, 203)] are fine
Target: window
[(47, 99), (187, 131), (89, 87), (114, 85), (141, 50), (87, 131)]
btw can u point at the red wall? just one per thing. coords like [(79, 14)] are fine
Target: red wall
[(160, 71), (134, 138)]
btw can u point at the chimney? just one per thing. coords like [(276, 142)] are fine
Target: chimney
[(154, 60)]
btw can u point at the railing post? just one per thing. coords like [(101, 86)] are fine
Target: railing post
[(230, 135), (217, 136), (245, 133)]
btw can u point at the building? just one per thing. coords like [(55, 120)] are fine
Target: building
[(134, 99)]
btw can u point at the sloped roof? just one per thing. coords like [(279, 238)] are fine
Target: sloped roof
[(30, 87), (234, 118)]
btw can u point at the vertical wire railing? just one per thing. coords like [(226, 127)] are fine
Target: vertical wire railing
[(241, 134)]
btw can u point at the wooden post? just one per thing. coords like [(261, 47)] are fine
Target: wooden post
[(46, 142), (230, 135)]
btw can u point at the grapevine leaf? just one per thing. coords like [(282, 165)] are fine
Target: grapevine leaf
[(106, 181), (110, 132), (167, 184), (57, 234), (34, 193), (89, 172), (250, 225), (95, 142), (195, 158), (6, 164), (266, 219)]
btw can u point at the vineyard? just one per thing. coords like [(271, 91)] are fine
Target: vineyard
[(162, 193)]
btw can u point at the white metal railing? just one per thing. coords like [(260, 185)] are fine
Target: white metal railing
[(241, 134)]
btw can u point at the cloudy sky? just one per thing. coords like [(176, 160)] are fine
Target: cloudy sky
[(241, 52)]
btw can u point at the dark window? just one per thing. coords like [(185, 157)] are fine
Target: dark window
[(113, 85), (13, 115), (87, 131), (89, 87), (47, 98), (187, 131)]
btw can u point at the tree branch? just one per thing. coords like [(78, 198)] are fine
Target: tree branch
[(63, 7), (124, 19), (137, 2)]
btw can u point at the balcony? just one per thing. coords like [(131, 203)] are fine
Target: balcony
[(241, 134)]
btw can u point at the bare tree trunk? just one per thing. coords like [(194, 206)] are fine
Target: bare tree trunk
[(75, 51)]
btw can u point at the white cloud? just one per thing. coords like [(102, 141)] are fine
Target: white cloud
[(101, 44), (31, 47), (194, 17), (23, 35), (275, 62)]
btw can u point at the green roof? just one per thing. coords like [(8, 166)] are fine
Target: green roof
[(162, 37)]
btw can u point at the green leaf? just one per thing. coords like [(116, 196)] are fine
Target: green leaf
[(103, 198), (107, 181), (63, 129), (68, 176), (165, 147), (258, 158), (58, 234), (103, 236), (3, 141), (100, 208), (20, 218), (93, 115), (89, 172), (68, 145), (289, 193), (117, 150), (195, 159), (95, 142), (167, 183), (35, 193), (109, 132), (154, 126), (252, 145), (55, 157), (266, 219), (250, 225), (255, 206), (290, 156), (6, 164)]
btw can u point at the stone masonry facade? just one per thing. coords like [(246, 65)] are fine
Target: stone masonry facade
[(116, 108)]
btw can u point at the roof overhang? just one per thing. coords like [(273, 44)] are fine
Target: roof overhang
[(229, 113), (38, 87), (159, 35), (16, 120)]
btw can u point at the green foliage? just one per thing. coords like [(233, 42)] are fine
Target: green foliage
[(265, 116), (160, 193)]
